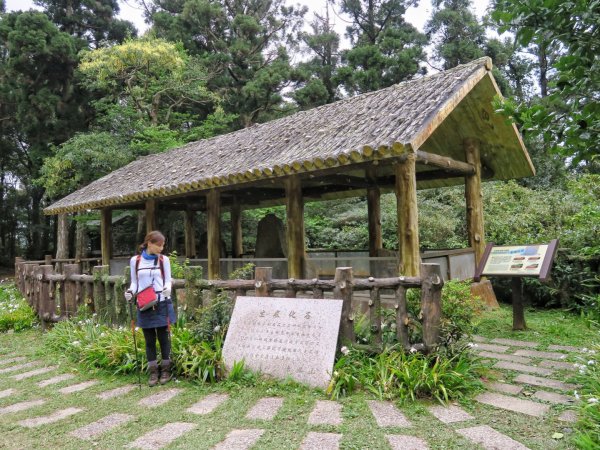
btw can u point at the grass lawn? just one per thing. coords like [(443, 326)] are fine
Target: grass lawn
[(290, 426)]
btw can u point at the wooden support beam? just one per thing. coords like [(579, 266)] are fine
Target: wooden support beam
[(464, 168), (408, 217), (106, 236), (474, 200), (295, 226), (190, 234), (151, 223), (237, 248), (213, 233), (374, 213)]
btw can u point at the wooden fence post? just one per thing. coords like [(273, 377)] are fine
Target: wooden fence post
[(431, 303), (262, 282), (402, 317), (70, 289), (19, 280), (343, 290), (38, 276), (375, 314), (47, 306)]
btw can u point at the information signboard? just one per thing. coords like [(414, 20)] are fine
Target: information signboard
[(517, 260)]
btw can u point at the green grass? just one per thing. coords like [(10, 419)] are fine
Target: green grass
[(290, 426)]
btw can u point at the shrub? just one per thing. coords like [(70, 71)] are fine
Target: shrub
[(587, 433), (396, 375), (15, 313)]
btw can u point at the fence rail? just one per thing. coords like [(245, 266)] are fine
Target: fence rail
[(56, 296)]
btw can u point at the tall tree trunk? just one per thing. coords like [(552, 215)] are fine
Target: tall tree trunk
[(62, 237), (35, 250), (80, 240)]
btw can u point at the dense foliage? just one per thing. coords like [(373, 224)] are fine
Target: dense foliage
[(15, 313)]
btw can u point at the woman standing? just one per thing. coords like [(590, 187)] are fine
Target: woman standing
[(152, 270)]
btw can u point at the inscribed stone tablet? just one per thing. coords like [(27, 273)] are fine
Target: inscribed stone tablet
[(285, 337)]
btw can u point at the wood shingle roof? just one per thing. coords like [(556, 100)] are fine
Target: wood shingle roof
[(433, 114)]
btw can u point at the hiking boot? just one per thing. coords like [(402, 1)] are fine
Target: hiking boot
[(153, 369), (165, 371)]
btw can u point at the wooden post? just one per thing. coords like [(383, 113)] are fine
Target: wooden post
[(62, 237), (402, 318), (106, 236), (431, 303), (474, 200), (150, 215), (100, 306), (262, 281), (517, 304), (375, 315), (19, 278), (47, 307), (408, 216), (343, 290), (374, 213), (237, 248), (295, 226), (213, 233), (190, 234), (70, 290)]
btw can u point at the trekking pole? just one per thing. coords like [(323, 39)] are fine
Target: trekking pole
[(137, 359)]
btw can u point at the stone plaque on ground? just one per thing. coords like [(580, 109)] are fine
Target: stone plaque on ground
[(285, 337)]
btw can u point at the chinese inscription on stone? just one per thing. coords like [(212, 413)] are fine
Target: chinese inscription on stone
[(285, 337)]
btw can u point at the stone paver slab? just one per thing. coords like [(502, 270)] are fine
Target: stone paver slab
[(21, 406), (78, 387), (326, 412), (566, 348), (515, 343), (321, 441), (537, 354), (477, 338), (401, 442), (159, 398), (490, 439), (55, 380), (545, 382), (387, 415), (560, 365), (505, 357), (54, 417), (208, 404), (505, 388), (450, 414), (490, 348), (26, 365), (265, 408), (522, 368), (14, 359), (162, 436), (117, 392), (513, 404), (7, 392), (33, 373), (553, 397), (568, 416), (240, 439), (103, 425)]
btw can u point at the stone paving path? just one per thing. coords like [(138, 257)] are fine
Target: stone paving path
[(531, 384)]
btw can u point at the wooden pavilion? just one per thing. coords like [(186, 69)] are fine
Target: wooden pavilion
[(434, 131)]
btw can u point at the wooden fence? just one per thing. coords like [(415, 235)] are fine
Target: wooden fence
[(57, 296)]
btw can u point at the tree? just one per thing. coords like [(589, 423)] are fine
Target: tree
[(457, 35), (315, 83), (243, 42), (39, 103), (386, 49), (95, 21), (568, 119)]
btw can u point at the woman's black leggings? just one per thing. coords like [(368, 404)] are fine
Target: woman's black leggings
[(160, 333)]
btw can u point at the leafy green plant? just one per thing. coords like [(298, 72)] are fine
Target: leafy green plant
[(178, 269), (15, 313), (587, 433), (246, 272)]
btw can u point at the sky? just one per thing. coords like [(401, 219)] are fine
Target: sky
[(130, 11)]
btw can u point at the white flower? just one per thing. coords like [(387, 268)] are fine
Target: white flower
[(591, 362), (76, 343), (344, 350), (592, 400), (576, 395), (472, 345), (217, 328), (413, 350), (336, 373)]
